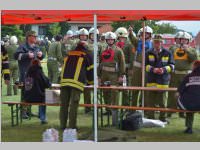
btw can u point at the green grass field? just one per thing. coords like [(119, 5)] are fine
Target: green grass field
[(31, 130)]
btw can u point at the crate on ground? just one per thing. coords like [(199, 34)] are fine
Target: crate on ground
[(52, 96)]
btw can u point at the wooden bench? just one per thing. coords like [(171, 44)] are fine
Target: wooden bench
[(16, 107)]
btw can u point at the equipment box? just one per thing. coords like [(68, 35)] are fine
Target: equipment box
[(52, 96)]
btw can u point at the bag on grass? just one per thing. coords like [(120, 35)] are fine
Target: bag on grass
[(132, 121)]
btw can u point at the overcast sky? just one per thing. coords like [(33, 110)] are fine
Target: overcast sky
[(190, 26)]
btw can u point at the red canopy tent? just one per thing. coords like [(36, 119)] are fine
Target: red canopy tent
[(9, 17), (49, 16)]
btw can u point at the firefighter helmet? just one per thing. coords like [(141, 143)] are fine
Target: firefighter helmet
[(83, 31), (146, 29), (70, 33), (13, 40), (121, 32), (187, 36), (110, 35), (92, 31)]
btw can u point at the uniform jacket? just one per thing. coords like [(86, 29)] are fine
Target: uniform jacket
[(189, 91), (24, 61), (77, 69), (184, 59), (35, 84), (55, 52), (112, 57), (163, 60), (5, 63)]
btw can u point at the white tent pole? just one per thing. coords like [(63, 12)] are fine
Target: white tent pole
[(95, 78), (143, 63)]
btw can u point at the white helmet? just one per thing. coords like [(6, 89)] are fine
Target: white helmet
[(121, 32), (13, 40), (179, 34), (70, 33), (110, 35), (76, 33), (46, 38), (83, 31), (146, 29), (92, 31), (103, 34), (187, 36)]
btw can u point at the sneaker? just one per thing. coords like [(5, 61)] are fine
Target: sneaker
[(44, 122), (188, 131)]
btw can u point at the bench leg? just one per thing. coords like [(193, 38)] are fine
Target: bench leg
[(12, 116)]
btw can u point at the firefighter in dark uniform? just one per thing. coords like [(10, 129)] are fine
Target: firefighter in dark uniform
[(159, 64), (111, 68), (189, 95), (25, 53), (77, 69)]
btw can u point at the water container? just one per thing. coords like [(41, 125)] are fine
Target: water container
[(69, 135), (124, 80)]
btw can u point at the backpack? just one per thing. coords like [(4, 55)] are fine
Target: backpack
[(132, 121)]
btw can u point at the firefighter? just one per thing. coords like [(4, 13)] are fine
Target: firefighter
[(88, 92), (128, 49), (67, 43), (184, 56), (111, 68), (159, 64), (137, 64), (55, 59), (11, 48), (77, 69)]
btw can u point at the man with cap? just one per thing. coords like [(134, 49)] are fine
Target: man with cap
[(159, 64), (25, 53)]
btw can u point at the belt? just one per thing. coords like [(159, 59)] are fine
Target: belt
[(182, 72), (110, 69), (52, 58), (137, 64)]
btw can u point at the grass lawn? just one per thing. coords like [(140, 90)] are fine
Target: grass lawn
[(31, 130)]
